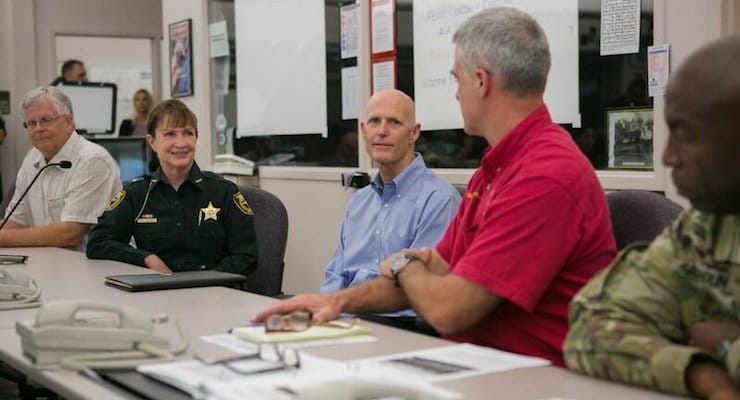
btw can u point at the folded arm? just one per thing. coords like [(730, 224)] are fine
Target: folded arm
[(61, 234)]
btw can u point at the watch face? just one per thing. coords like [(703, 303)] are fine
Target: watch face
[(398, 264)]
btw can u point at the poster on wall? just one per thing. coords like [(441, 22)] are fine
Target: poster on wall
[(181, 60), (630, 134)]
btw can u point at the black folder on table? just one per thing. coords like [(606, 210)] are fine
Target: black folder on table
[(178, 280), (143, 386)]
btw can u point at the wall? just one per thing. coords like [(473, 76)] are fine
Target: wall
[(196, 11), (33, 24)]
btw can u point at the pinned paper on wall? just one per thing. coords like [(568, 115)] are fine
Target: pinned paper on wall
[(384, 75), (219, 38), (349, 93), (620, 27), (383, 26), (658, 69), (348, 28)]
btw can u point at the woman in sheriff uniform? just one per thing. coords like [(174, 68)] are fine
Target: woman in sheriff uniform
[(181, 218)]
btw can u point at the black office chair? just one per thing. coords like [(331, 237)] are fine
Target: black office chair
[(271, 226), (639, 215), (461, 189), (6, 200)]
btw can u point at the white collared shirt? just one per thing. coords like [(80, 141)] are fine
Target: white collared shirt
[(78, 194)]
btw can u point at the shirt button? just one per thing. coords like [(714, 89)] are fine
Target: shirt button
[(377, 261), (385, 205), (377, 232), (498, 170), (179, 224), (488, 187), (177, 203)]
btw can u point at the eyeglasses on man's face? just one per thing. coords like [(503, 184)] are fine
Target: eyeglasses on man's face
[(44, 122)]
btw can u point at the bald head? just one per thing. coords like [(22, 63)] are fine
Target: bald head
[(702, 103), (401, 100), (711, 74)]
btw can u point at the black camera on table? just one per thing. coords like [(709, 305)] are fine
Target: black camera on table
[(355, 179)]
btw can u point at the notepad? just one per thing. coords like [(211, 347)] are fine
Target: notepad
[(257, 334), (177, 280)]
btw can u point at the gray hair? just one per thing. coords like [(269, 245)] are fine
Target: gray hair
[(509, 44), (60, 100)]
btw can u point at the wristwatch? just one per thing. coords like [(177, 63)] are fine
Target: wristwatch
[(400, 263)]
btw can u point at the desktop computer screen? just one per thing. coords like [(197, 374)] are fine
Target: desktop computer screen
[(130, 153)]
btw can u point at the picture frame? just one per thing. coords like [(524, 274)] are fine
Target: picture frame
[(630, 133), (181, 58)]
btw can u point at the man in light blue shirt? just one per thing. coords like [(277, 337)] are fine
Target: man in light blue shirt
[(405, 206)]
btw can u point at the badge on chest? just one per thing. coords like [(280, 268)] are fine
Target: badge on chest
[(207, 213), (146, 219)]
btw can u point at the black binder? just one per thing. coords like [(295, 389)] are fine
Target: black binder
[(178, 280)]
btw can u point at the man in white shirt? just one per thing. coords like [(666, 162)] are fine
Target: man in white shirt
[(63, 203)]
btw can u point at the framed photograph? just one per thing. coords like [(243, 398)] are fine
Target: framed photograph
[(181, 59), (630, 132)]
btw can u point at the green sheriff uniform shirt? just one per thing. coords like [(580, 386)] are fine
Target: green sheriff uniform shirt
[(631, 322), (206, 224)]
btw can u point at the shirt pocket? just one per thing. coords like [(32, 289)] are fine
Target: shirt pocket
[(56, 205), (151, 237), (210, 230)]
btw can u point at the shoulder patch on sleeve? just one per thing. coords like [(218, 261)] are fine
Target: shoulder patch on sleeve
[(116, 200), (241, 204)]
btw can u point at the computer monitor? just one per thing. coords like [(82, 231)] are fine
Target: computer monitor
[(94, 106), (130, 153)]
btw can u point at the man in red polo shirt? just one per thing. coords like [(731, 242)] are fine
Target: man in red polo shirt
[(533, 226)]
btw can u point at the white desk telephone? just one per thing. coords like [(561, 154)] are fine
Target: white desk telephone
[(232, 165), (17, 290), (89, 334)]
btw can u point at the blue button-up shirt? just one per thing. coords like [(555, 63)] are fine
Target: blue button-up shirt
[(411, 211)]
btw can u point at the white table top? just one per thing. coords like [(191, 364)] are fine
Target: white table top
[(64, 274)]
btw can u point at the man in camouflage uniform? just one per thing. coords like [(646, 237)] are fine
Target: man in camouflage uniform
[(665, 315)]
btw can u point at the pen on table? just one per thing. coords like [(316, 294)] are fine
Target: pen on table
[(91, 374)]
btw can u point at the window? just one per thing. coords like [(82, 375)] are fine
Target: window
[(340, 146)]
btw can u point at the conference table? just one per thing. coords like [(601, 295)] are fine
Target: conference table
[(66, 274)]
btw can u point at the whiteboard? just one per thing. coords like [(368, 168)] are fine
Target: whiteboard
[(281, 67), (435, 21)]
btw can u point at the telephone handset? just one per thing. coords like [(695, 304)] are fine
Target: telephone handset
[(84, 334), (17, 290)]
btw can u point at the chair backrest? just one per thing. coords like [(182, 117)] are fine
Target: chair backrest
[(461, 189), (639, 215), (271, 226), (6, 200)]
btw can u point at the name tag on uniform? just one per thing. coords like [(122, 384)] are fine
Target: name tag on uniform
[(146, 219)]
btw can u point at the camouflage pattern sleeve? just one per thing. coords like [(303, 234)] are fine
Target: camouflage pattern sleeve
[(626, 324)]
